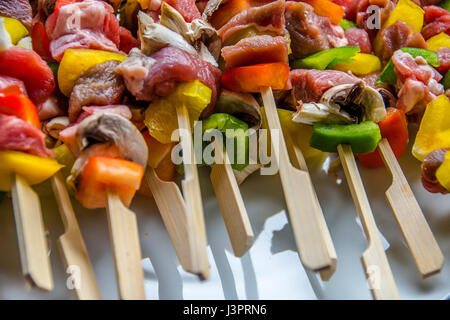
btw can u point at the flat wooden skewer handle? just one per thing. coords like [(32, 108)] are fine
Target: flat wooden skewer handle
[(34, 254), (300, 202), (126, 248), (192, 196), (172, 208), (72, 247), (374, 259), (415, 229), (299, 162), (231, 204)]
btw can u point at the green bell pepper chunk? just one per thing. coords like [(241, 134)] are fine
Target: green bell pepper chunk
[(445, 4), (388, 75), (347, 24), (326, 58), (223, 122), (446, 80), (54, 67), (362, 137)]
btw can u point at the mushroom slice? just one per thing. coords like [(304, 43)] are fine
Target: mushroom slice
[(388, 98), (109, 127), (240, 105), (155, 36), (196, 33), (310, 113), (210, 8), (55, 125), (358, 100)]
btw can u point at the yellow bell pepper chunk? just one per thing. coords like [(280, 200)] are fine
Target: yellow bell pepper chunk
[(161, 116), (15, 29), (441, 40), (77, 61), (144, 4), (406, 11), (33, 168), (360, 64), (299, 133), (443, 172), (434, 130)]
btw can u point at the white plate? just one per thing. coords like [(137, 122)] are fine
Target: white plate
[(271, 270)]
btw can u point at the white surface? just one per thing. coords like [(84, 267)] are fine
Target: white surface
[(271, 270)]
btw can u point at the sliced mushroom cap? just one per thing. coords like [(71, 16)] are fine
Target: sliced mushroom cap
[(388, 98), (109, 127), (310, 113), (241, 105), (111, 135), (210, 8), (155, 36), (359, 101), (174, 31), (196, 33), (55, 125)]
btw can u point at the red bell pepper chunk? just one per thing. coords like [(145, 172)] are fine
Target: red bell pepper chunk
[(395, 129), (28, 66), (19, 106), (40, 41), (253, 78), (104, 172)]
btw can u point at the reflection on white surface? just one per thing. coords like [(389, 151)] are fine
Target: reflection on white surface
[(272, 269)]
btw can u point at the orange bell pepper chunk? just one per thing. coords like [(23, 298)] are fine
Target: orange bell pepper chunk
[(104, 172), (329, 9), (253, 78), (395, 129), (221, 16), (19, 106)]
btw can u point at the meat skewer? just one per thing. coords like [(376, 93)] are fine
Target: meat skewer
[(415, 229), (72, 246), (252, 65), (103, 179), (231, 204), (413, 95), (296, 156), (31, 235), (126, 248), (236, 119), (192, 197), (309, 232), (20, 125), (376, 265)]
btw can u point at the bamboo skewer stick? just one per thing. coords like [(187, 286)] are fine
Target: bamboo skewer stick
[(374, 259), (172, 208), (299, 162), (34, 254), (415, 229), (126, 248), (191, 190), (231, 203), (71, 244), (300, 200)]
